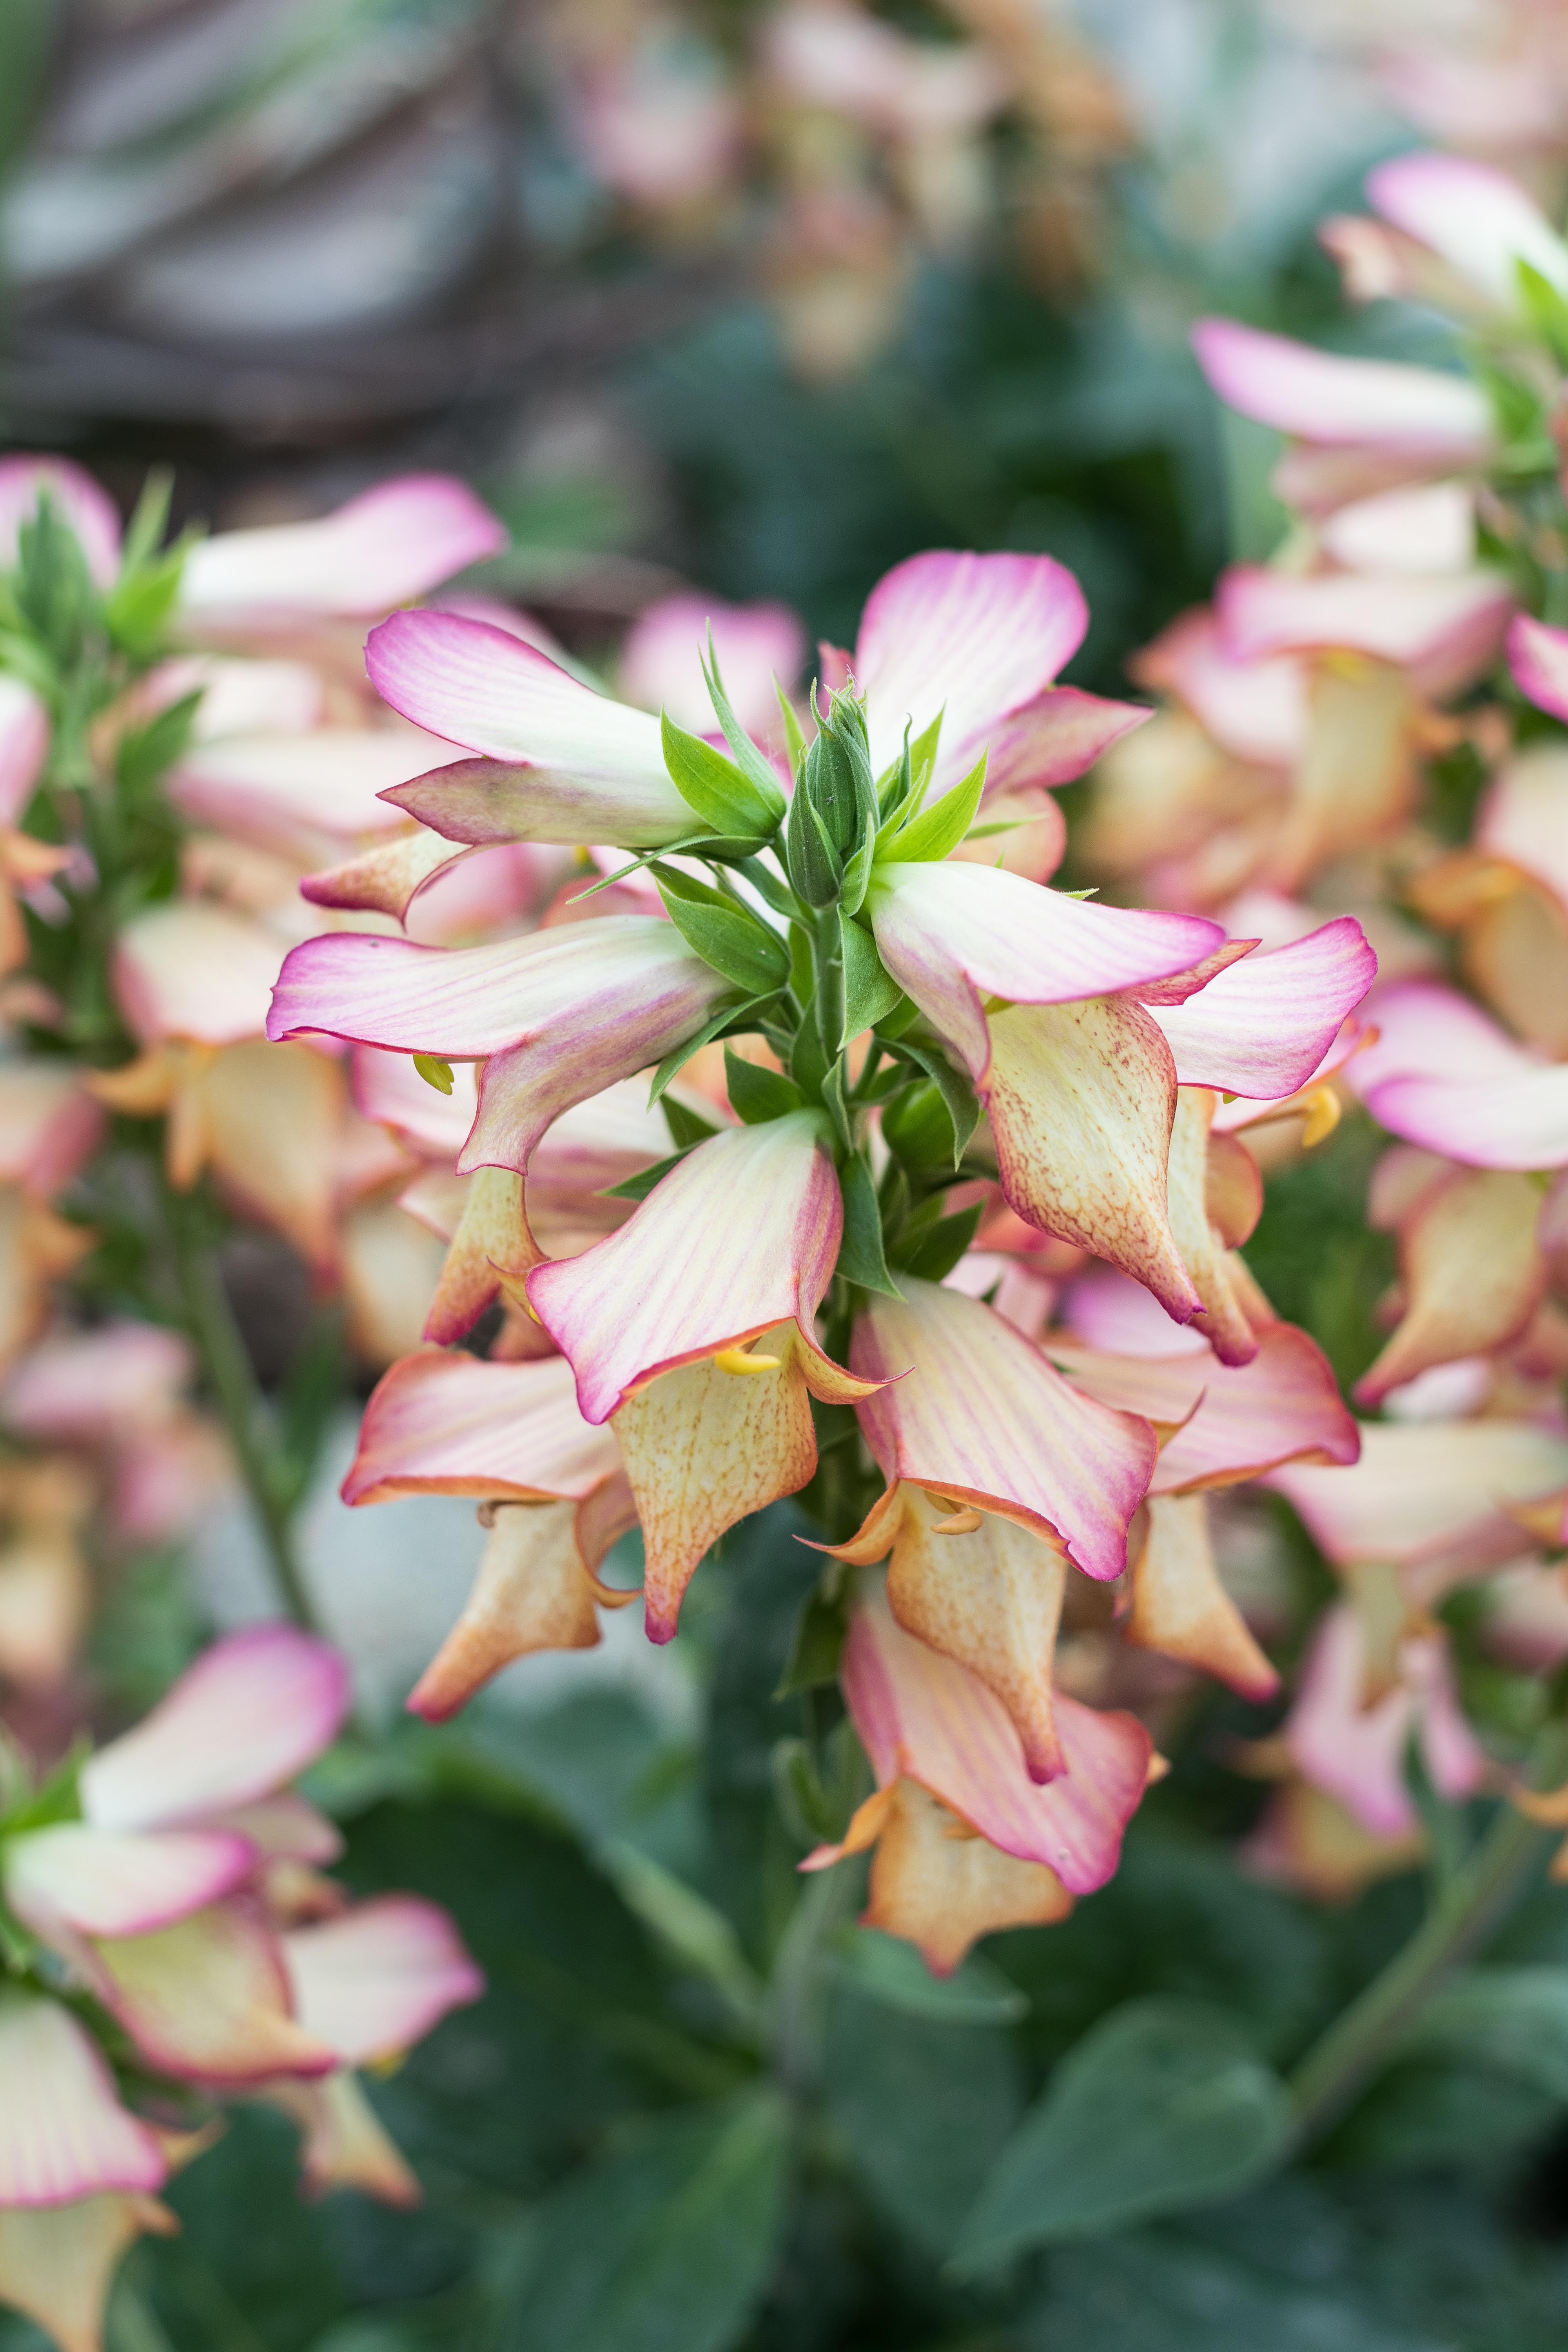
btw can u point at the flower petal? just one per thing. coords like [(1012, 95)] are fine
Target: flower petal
[(1181, 1608), (299, 795), (1538, 656), (186, 970), (209, 1999), (63, 2132), (1472, 1274), (49, 1126), (742, 1235), (57, 2265), (922, 1714), (1477, 218), (1229, 1422), (1263, 1025), (377, 550), (1082, 1097), (120, 1882), (661, 659), (531, 1592), (375, 1980), (252, 1712), (1054, 739), (386, 880), (24, 746), (448, 1425), (1234, 1313), (1324, 398), (941, 1888), (576, 766), (1256, 710), (984, 1417), (344, 2142), (1446, 628), (80, 501), (973, 636), (954, 934)]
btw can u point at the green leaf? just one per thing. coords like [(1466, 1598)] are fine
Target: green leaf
[(140, 606), (902, 786), (870, 992), (958, 1096), (54, 589), (1515, 2018), (794, 735), (639, 1187), (734, 942), (933, 1251), (145, 755), (739, 1013), (754, 764), (686, 1924), (1162, 2106), (886, 1969), (938, 830), (837, 1103), (818, 1643), (770, 886), (435, 1072), (756, 1094), (1545, 308), (686, 1126), (664, 2245), (714, 787), (860, 1254)]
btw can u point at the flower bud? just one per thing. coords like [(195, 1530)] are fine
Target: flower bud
[(833, 817)]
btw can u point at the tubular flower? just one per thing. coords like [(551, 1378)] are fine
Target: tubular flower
[(158, 1873)]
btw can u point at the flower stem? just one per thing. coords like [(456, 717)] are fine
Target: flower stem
[(227, 1361), (1475, 1900)]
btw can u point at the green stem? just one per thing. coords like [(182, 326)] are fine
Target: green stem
[(1476, 1899), (228, 1366)]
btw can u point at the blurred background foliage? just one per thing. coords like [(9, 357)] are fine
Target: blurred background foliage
[(289, 245)]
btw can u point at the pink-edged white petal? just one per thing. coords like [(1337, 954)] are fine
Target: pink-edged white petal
[(1356, 1752), (118, 1882), (578, 766), (1443, 1075), (1053, 740), (975, 637), (49, 1125), (1446, 628), (954, 934), (1431, 528), (1257, 709), (742, 1235), (90, 513), (1321, 397), (1262, 1026), (196, 972), (1111, 1312), (376, 1980), (285, 1828), (209, 2000), (1478, 219), (63, 2132), (440, 1423), (88, 1387), (662, 654), (922, 1714), (1434, 1496), (1229, 1421), (24, 746), (1523, 814), (981, 1416), (1538, 656), (251, 1713), (301, 794), (1426, 1030), (376, 550), (388, 1088), (564, 1013)]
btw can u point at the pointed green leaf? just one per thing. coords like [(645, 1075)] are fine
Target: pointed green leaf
[(887, 1969), (639, 1187), (870, 992), (738, 1014), (734, 942), (726, 800), (959, 1097), (757, 1095), (686, 1126), (794, 736), (861, 1258), (837, 1101), (931, 1253), (754, 764), (937, 831)]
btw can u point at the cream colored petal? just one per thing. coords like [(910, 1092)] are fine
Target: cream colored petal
[(57, 2265), (273, 1117), (940, 1885), (209, 1999), (1230, 1298), (1181, 1608), (1473, 1276), (492, 1239), (344, 2143), (531, 1593), (391, 1266), (705, 1447), (991, 1599), (1082, 1097), (1356, 779)]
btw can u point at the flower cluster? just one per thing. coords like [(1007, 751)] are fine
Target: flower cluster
[(169, 1941)]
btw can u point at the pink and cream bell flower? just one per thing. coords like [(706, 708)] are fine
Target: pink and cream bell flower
[(1442, 1073), (661, 669)]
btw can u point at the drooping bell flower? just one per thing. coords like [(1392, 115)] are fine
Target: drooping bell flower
[(1471, 1271), (1354, 1750)]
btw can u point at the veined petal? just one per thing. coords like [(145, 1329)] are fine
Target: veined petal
[(661, 659), (388, 1088), (940, 1885), (1082, 1098), (192, 971), (973, 636), (1321, 397), (1181, 1608), (375, 1980), (1427, 1030), (1478, 218), (209, 1999), (24, 747), (252, 1712), (1446, 628), (984, 1417), (574, 763), (118, 1882), (89, 510), (1263, 1025), (922, 1714), (344, 2143), (1229, 1422), (1234, 1314), (1356, 1751), (299, 793), (1518, 1122), (448, 1425), (377, 550), (742, 1235), (1054, 739), (1523, 816), (1117, 1316), (1472, 1272), (1538, 656), (387, 879), (63, 2132), (57, 2265), (953, 935), (1434, 1498)]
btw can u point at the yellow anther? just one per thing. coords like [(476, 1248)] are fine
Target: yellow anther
[(1322, 1107), (736, 1360), (963, 1523)]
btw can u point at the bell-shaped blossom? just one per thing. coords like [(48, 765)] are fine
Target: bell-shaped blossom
[(1471, 1272), (378, 549), (925, 1718), (556, 1016), (1443, 1075), (1355, 1751), (64, 2133), (661, 665), (1443, 629)]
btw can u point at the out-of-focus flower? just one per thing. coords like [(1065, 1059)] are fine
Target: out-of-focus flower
[(661, 659)]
